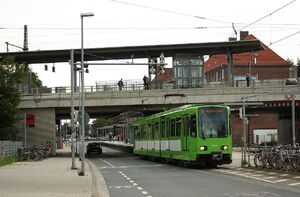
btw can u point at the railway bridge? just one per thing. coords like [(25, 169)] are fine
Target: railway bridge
[(260, 99)]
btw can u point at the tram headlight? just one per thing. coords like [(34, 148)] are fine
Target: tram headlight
[(203, 148), (224, 147)]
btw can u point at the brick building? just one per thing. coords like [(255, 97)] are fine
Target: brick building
[(264, 64)]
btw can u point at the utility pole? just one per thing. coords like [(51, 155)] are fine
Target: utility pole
[(72, 109), (244, 133), (25, 44), (293, 119)]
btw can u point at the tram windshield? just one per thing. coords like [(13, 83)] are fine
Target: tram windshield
[(213, 123)]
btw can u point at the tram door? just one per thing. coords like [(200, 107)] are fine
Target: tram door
[(185, 132)]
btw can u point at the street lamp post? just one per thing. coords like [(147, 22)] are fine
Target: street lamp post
[(245, 121), (82, 15)]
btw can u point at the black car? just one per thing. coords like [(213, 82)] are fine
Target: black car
[(93, 147)]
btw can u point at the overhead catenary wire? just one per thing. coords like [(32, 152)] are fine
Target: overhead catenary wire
[(266, 15), (286, 37), (170, 11)]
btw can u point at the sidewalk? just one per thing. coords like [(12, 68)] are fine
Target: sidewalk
[(51, 177), (237, 158)]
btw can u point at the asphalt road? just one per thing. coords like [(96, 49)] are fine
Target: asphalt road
[(129, 176)]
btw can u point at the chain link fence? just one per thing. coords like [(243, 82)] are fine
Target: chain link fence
[(9, 148)]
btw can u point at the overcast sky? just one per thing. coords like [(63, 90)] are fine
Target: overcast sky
[(55, 24)]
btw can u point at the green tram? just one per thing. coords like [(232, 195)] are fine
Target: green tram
[(190, 134)]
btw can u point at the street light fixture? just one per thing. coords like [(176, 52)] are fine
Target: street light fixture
[(82, 15)]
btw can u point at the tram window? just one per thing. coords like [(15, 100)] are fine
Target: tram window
[(186, 125), (156, 129), (137, 131), (143, 132), (193, 130), (152, 131), (178, 126), (167, 128), (163, 128), (173, 127)]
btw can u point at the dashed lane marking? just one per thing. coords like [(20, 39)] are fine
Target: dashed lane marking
[(294, 184), (132, 166), (134, 184)]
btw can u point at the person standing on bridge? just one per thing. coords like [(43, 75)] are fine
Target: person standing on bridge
[(248, 80), (120, 84), (146, 82)]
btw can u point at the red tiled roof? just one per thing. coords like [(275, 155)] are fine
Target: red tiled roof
[(263, 57)]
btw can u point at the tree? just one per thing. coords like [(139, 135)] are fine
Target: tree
[(100, 122), (11, 75)]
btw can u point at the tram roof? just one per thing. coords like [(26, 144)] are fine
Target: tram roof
[(129, 52)]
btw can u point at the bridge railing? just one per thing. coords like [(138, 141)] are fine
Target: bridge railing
[(135, 85)]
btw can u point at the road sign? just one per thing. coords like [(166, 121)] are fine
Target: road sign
[(86, 118), (30, 120)]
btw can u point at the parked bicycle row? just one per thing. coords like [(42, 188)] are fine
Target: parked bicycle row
[(32, 153), (286, 157)]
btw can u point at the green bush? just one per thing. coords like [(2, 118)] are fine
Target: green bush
[(8, 160)]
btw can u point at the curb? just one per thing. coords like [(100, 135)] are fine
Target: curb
[(99, 187)]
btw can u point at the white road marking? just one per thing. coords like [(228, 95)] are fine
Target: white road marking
[(257, 175), (270, 177), (120, 187), (279, 181), (133, 184), (293, 184), (297, 177), (248, 173), (107, 163), (242, 175), (284, 175)]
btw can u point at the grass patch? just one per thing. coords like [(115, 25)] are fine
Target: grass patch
[(8, 160)]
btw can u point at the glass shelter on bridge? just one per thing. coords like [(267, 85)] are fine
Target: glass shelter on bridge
[(188, 70)]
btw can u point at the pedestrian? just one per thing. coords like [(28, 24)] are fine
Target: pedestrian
[(248, 80), (146, 82), (120, 84)]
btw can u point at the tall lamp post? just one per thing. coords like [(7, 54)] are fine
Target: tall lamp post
[(82, 15), (245, 121)]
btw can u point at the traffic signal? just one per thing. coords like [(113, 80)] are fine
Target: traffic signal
[(75, 116), (241, 113), (152, 69), (162, 63)]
